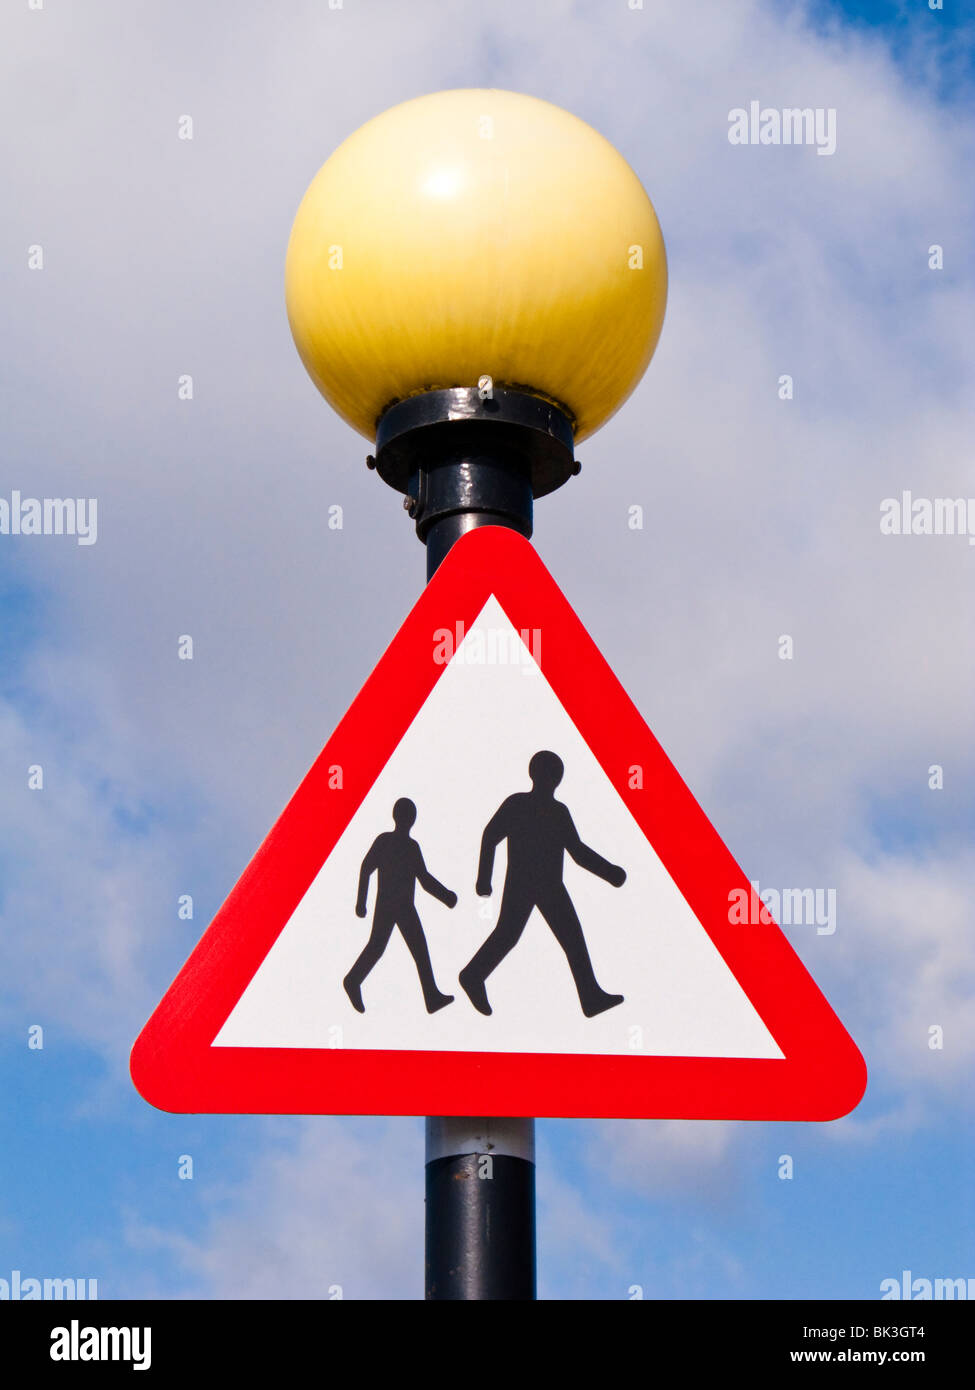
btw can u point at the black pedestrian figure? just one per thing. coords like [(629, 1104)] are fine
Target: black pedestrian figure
[(538, 830), (395, 857)]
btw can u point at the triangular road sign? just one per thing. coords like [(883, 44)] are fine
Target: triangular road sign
[(611, 953)]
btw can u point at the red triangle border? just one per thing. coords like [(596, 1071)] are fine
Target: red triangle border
[(174, 1066)]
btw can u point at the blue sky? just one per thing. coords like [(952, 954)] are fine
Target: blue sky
[(762, 517)]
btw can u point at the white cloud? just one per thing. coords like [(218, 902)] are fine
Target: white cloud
[(329, 1209), (668, 1158), (914, 914)]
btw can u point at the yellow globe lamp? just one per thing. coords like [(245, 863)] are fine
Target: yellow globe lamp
[(471, 235)]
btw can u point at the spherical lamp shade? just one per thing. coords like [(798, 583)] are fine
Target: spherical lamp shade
[(476, 233)]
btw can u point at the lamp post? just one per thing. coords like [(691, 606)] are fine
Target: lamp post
[(476, 281)]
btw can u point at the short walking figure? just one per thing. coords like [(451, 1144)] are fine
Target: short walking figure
[(396, 859), (539, 831)]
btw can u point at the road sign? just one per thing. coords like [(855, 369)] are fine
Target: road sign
[(493, 894)]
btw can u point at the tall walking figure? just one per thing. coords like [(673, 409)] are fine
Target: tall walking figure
[(539, 830), (396, 860)]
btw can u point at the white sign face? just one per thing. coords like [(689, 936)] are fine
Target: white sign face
[(467, 751)]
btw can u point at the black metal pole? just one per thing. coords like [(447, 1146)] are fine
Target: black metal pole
[(480, 1208), (467, 458)]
